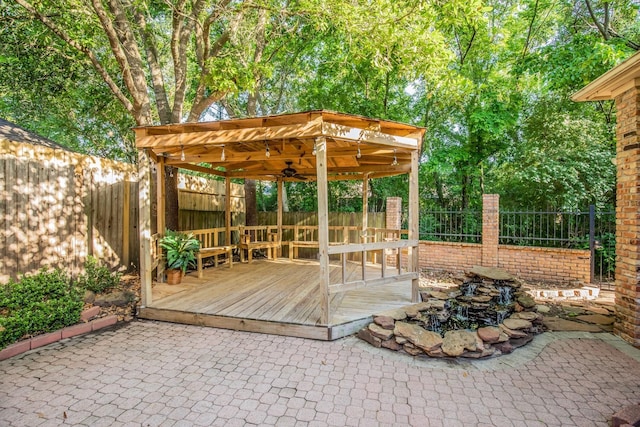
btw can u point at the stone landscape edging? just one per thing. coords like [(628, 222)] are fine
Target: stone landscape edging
[(64, 333)]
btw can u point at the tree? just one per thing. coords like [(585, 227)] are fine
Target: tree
[(164, 62)]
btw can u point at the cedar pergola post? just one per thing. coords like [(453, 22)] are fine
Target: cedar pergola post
[(323, 229)]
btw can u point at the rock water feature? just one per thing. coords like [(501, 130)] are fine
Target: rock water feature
[(486, 315)]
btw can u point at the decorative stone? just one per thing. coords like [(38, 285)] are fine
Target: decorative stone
[(504, 347), (481, 298), (415, 309), (397, 314), (118, 298), (526, 301), (435, 304), (489, 334), (89, 297), (391, 345), (426, 340), (401, 340), (512, 333), (519, 342), (503, 337), (542, 309), (492, 273), (365, 334), (456, 342), (596, 319), (438, 295), (380, 332), (512, 323), (412, 350), (525, 315), (386, 322), (558, 324)]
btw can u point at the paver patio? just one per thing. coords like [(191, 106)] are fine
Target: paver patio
[(160, 374)]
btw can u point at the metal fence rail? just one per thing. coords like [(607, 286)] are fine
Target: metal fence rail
[(572, 230), (451, 226)]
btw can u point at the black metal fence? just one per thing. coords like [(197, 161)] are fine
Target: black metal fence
[(451, 226), (575, 230)]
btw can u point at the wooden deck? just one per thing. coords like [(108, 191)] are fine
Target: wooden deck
[(274, 296)]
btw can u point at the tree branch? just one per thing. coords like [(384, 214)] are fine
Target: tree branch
[(602, 30), (97, 65)]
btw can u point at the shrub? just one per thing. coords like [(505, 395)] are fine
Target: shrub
[(36, 304), (97, 277)]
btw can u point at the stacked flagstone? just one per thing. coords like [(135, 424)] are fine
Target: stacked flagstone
[(486, 315)]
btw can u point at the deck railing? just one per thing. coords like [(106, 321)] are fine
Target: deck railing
[(349, 243)]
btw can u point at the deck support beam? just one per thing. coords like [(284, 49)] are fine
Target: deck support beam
[(413, 261), (227, 211), (279, 219), (144, 226), (323, 229), (160, 211)]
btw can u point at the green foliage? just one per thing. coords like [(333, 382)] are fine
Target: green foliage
[(36, 304), (97, 277), (180, 249)]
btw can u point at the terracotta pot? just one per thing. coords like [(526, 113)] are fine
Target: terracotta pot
[(174, 276)]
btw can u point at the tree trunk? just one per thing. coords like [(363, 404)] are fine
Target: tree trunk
[(251, 209), (171, 197)]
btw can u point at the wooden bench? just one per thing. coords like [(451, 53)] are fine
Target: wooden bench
[(246, 244), (295, 244), (214, 252)]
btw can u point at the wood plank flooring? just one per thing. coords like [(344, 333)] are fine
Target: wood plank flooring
[(280, 290)]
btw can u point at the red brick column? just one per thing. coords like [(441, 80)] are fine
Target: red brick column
[(628, 216), (490, 229), (394, 213)]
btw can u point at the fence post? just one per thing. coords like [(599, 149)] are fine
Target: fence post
[(490, 229), (592, 242)]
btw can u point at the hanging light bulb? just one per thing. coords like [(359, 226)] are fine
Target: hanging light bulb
[(314, 151), (182, 157), (358, 154), (171, 171), (222, 156), (395, 158), (267, 154)]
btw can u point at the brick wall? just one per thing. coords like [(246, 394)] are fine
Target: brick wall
[(627, 215), (552, 265)]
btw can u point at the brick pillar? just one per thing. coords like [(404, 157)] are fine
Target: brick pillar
[(627, 296), (394, 213), (490, 229)]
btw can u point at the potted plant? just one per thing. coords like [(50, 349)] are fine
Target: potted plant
[(180, 251)]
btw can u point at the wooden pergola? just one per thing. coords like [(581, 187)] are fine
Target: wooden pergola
[(316, 146)]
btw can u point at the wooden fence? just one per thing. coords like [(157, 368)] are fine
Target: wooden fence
[(57, 207)]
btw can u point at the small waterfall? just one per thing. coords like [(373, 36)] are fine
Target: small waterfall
[(501, 315), (471, 289), (434, 324), (505, 297), (462, 312)]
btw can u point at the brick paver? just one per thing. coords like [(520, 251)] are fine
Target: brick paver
[(161, 374)]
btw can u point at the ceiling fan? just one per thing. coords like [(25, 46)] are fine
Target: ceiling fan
[(290, 172)]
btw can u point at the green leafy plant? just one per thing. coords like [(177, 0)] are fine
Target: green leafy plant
[(180, 249), (97, 277), (39, 303)]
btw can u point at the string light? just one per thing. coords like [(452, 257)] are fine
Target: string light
[(267, 154), (395, 158), (314, 151), (182, 157), (358, 154), (222, 156), (171, 171)]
